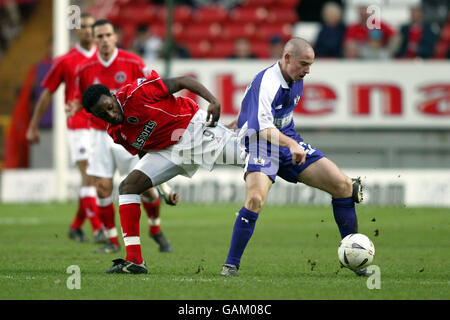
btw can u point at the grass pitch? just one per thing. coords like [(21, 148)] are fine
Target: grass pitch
[(292, 255)]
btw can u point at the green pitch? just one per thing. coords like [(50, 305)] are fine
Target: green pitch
[(292, 255)]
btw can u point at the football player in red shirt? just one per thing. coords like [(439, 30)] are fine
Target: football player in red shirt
[(173, 133), (63, 70), (359, 34), (114, 68)]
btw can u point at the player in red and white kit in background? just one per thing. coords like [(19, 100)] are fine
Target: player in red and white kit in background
[(64, 70), (114, 68)]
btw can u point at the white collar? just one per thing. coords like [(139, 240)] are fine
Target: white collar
[(84, 52), (106, 64), (280, 74), (120, 105)]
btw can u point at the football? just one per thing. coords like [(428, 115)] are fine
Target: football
[(356, 251)]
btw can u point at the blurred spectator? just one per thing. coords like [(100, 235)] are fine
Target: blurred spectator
[(242, 50), (373, 42), (177, 51), (10, 24), (332, 31), (374, 48), (435, 11), (276, 47), (351, 50), (311, 10), (417, 38), (442, 48), (147, 45)]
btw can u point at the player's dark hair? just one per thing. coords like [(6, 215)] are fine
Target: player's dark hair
[(102, 22), (92, 94)]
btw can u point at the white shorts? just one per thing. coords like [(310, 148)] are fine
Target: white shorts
[(199, 146), (79, 144), (105, 156)]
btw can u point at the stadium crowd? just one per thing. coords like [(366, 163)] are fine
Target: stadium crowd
[(252, 28)]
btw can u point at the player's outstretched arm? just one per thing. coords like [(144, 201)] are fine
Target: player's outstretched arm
[(42, 105), (176, 84)]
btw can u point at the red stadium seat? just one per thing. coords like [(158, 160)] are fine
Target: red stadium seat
[(283, 30), (198, 49), (221, 49), (210, 14), (249, 14), (282, 15), (208, 31), (257, 3), (287, 3), (237, 30), (181, 14), (159, 29), (141, 14), (261, 49), (128, 35)]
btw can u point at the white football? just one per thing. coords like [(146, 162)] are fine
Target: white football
[(356, 251)]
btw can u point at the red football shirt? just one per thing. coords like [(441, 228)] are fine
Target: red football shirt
[(123, 67), (153, 118), (64, 70), (360, 33)]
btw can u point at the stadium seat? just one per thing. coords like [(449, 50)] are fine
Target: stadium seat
[(261, 49), (221, 49), (210, 14), (233, 31), (282, 15), (266, 31), (198, 49), (128, 35), (209, 31), (142, 14), (249, 14), (257, 3), (181, 14), (291, 4)]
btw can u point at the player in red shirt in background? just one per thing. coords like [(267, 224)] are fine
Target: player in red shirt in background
[(63, 70), (172, 132), (359, 35), (114, 68)]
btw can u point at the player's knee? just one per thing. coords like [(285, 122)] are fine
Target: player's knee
[(104, 189), (343, 188), (125, 188), (254, 202)]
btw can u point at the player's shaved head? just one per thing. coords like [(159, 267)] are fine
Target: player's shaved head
[(297, 46), (298, 56)]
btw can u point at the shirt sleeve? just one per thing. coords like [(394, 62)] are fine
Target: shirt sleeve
[(54, 76), (153, 87), (260, 107)]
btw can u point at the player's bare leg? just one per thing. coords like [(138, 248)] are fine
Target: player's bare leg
[(257, 187), (152, 204), (105, 209)]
